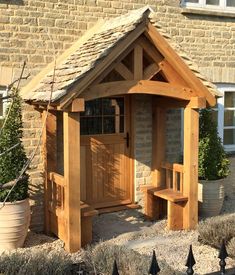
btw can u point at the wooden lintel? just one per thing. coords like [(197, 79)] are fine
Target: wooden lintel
[(78, 105), (138, 62), (197, 103), (179, 65), (137, 87), (150, 71), (170, 103), (124, 71)]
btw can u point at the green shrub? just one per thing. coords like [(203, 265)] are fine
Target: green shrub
[(99, 259), (213, 230), (231, 248), (13, 161), (39, 263), (213, 163)]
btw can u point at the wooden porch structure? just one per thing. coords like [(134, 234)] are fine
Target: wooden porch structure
[(140, 63)]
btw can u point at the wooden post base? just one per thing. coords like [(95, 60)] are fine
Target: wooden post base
[(175, 215)]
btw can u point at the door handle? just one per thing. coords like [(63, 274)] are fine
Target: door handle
[(127, 138)]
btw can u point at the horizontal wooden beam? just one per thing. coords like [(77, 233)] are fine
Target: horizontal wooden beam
[(197, 103), (170, 103), (137, 87), (57, 178), (78, 105)]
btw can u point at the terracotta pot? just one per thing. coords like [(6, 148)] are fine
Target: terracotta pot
[(210, 197), (14, 224)]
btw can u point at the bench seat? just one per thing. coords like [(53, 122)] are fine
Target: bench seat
[(170, 195), (154, 207)]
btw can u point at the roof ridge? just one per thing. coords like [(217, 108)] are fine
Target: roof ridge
[(127, 18)]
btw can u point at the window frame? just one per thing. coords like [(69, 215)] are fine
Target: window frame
[(4, 93), (222, 7), (223, 88)]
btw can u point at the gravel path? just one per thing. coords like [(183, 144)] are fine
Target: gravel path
[(129, 228)]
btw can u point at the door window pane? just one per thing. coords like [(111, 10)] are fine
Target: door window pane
[(229, 118), (92, 108), (229, 100), (230, 3), (91, 125), (229, 136), (109, 125), (212, 2), (103, 116)]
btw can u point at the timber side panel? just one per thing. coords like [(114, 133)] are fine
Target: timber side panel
[(49, 145)]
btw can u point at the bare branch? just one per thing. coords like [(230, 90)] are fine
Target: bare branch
[(12, 182)]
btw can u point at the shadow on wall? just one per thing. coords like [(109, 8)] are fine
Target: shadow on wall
[(12, 2), (36, 190)]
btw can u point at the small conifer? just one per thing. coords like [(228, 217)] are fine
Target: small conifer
[(213, 162), (12, 162)]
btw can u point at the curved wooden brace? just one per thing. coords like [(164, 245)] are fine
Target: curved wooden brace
[(137, 87)]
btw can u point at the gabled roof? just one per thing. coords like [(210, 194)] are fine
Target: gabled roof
[(79, 61)]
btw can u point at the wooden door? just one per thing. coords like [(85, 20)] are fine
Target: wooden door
[(105, 153)]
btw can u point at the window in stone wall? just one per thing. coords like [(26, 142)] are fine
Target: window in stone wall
[(226, 116), (3, 102), (213, 5)]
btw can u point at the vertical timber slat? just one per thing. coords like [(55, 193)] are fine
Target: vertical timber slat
[(49, 148), (72, 180), (138, 62), (191, 135)]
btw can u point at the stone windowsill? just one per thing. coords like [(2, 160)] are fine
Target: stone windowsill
[(201, 11)]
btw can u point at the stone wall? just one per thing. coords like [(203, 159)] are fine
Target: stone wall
[(32, 131), (142, 143), (37, 31)]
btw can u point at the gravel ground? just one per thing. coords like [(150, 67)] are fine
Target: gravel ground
[(129, 228)]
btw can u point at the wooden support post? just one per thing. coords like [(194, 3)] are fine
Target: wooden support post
[(138, 62), (49, 148), (190, 187), (158, 151), (175, 215), (72, 180)]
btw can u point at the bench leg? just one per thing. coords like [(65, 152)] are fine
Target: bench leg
[(86, 236), (152, 207), (175, 215)]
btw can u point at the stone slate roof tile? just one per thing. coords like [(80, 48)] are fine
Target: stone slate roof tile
[(78, 64)]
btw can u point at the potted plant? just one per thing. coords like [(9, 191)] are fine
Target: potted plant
[(14, 203), (213, 166)]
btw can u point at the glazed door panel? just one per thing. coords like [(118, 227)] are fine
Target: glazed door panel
[(105, 161)]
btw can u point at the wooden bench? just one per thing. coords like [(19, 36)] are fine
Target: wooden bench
[(154, 206), (87, 213)]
